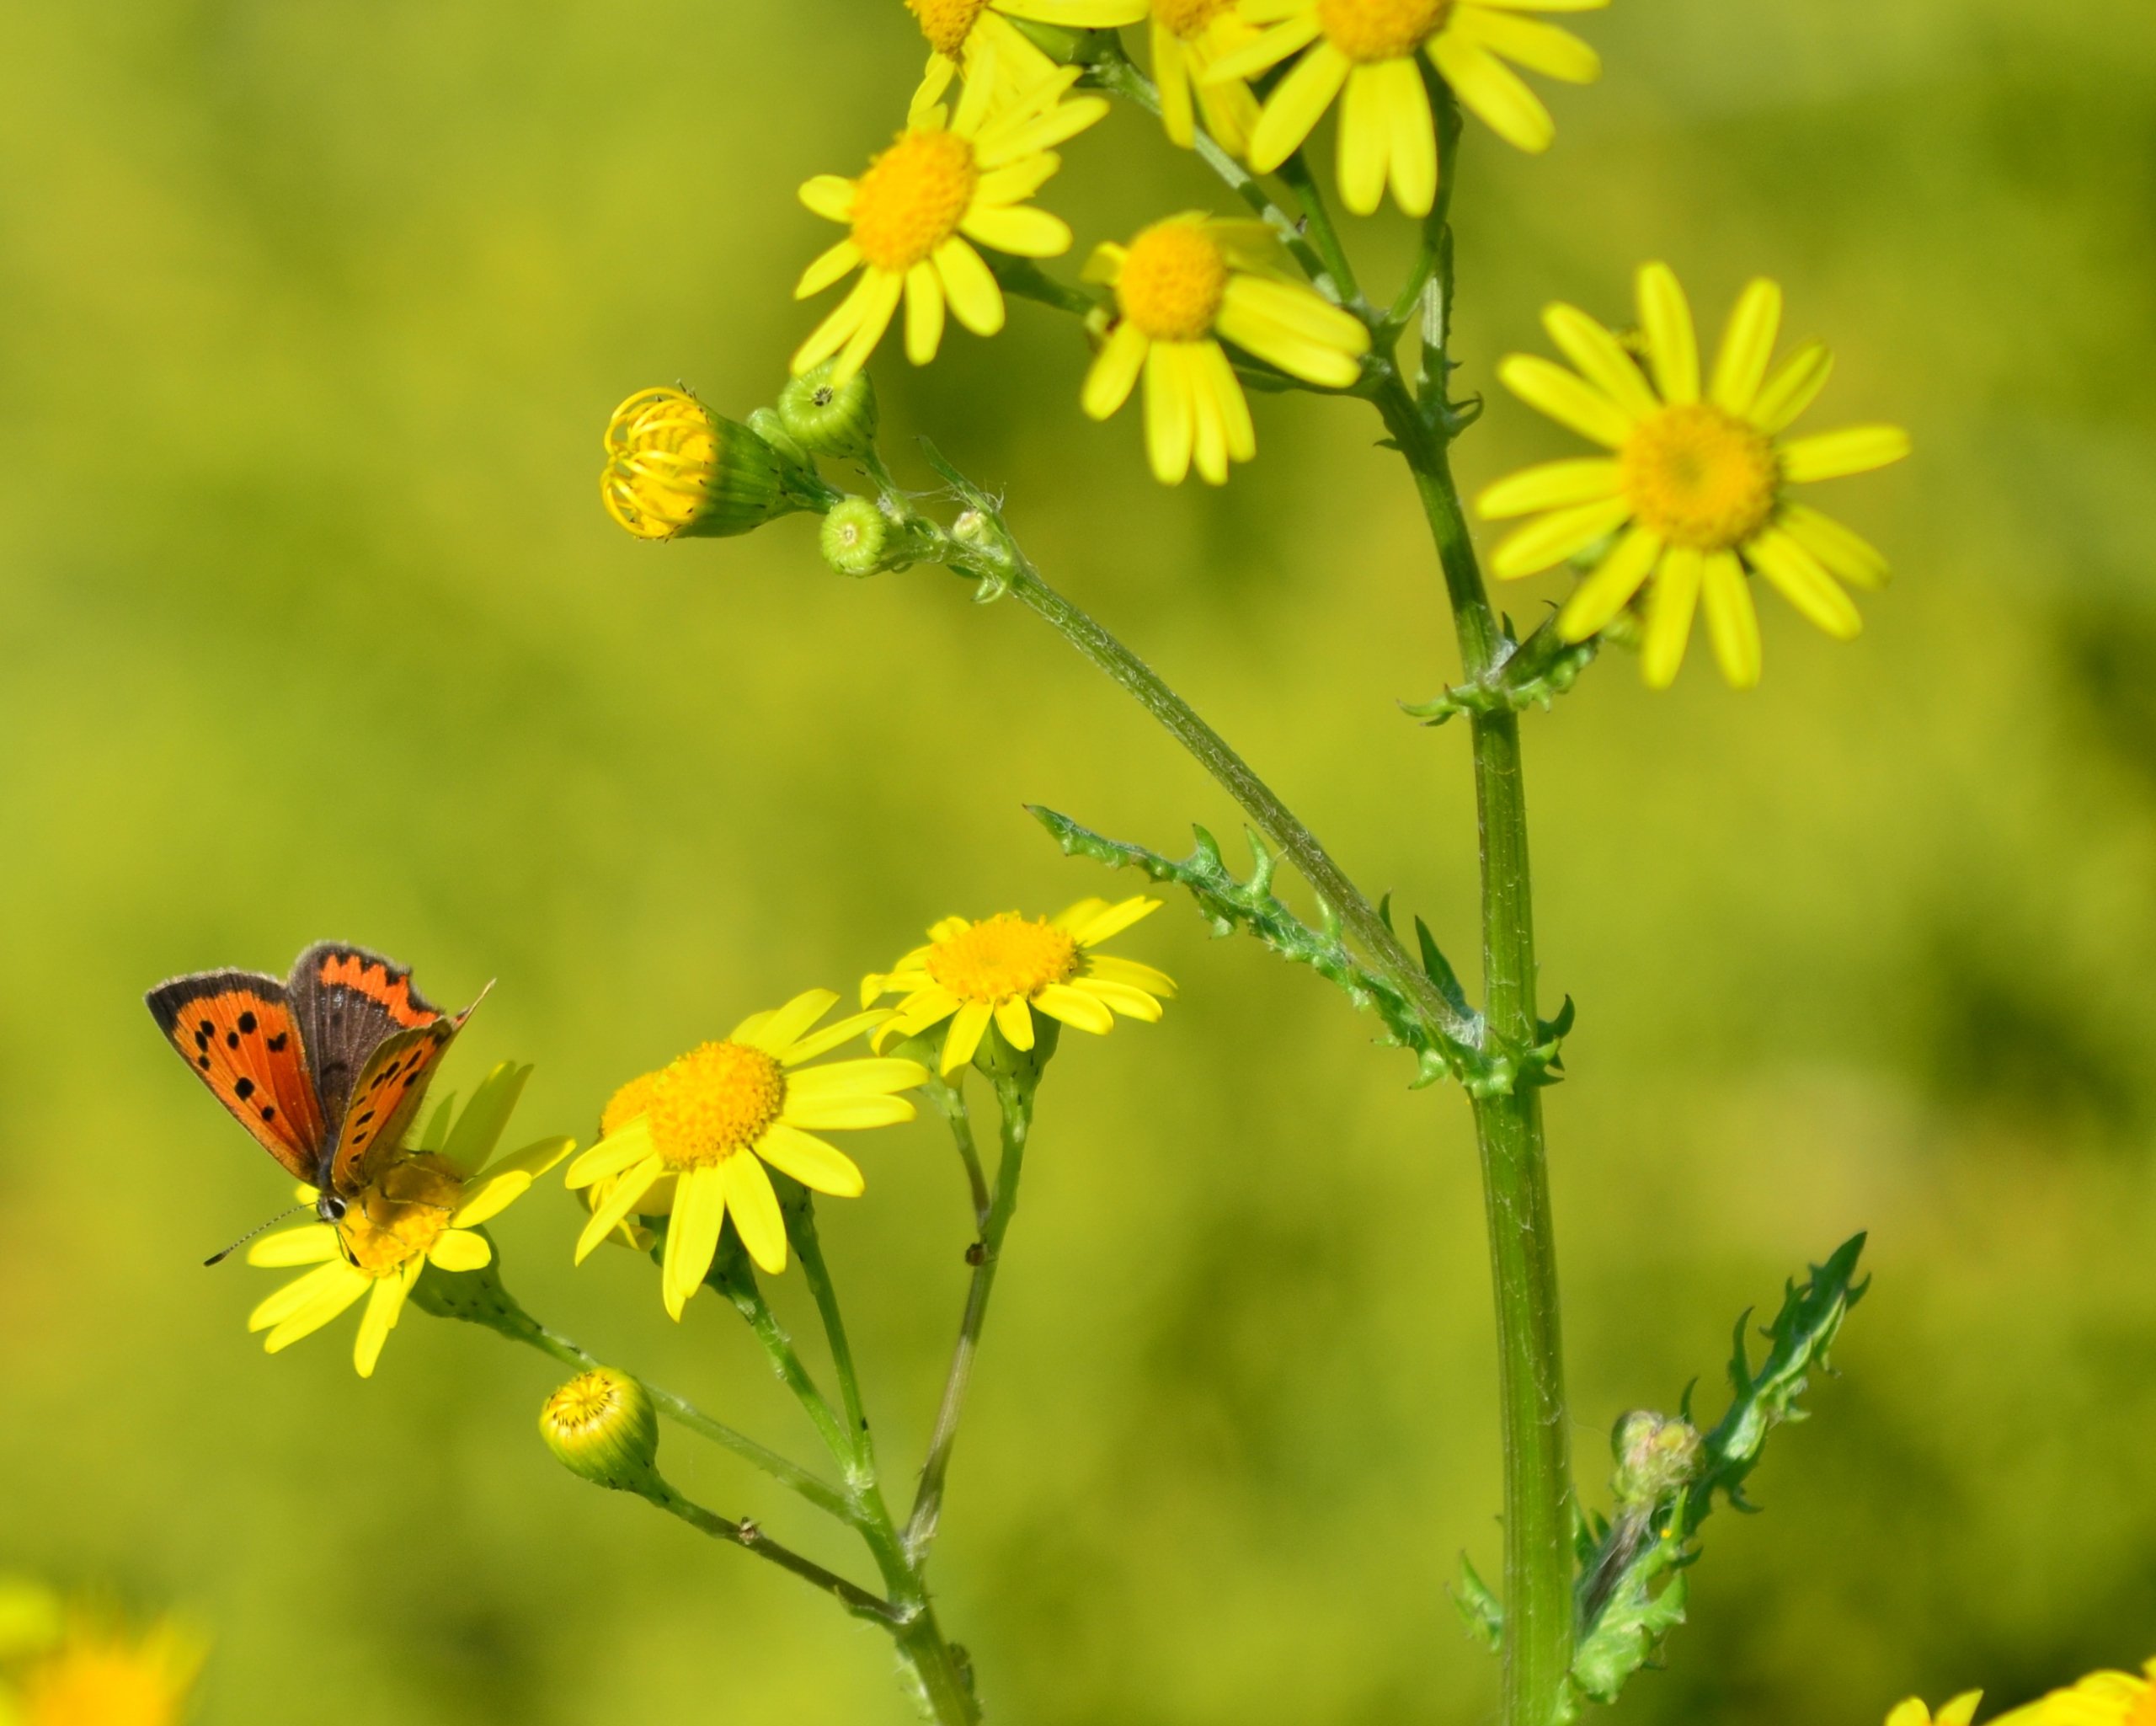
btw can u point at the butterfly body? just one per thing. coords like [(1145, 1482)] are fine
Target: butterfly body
[(327, 1068)]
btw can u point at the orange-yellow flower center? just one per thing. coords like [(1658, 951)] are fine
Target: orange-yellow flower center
[(104, 1682), (625, 1104), (913, 198), (1003, 958), (715, 1101), (402, 1214), (1700, 478), (662, 459), (1172, 280), (1188, 18), (1367, 30), (2142, 1711), (947, 23)]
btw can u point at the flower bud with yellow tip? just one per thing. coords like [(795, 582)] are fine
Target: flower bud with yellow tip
[(676, 470), (602, 1425)]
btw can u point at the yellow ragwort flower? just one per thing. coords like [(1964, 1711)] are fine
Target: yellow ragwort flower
[(87, 1669), (1368, 49), (1696, 483), (1914, 1712), (1190, 37), (949, 179), (2103, 1699), (1007, 967), (1181, 286), (673, 468), (705, 1120), (423, 1209), (958, 31)]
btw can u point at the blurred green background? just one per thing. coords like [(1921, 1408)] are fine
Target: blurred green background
[(313, 627)]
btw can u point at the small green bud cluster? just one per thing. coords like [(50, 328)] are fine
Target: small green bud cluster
[(1656, 1456)]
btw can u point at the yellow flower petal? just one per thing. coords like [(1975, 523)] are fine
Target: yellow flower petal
[(1670, 606), (1552, 485), (832, 1114), (1171, 417), (829, 266), (1106, 924), (619, 1202), (1112, 970), (924, 313), (789, 1023), (460, 1249), (1365, 139), (1295, 328), (1563, 533), (1833, 454), (1121, 997), (755, 1212), (1537, 46), (1610, 589), (830, 195), (331, 1299), (821, 1167), (1792, 389), (1218, 379), (302, 1291), (1296, 104), (1566, 397), (1732, 620), (385, 1305), (1015, 1019), (1115, 371), (1746, 346), (1797, 574), (965, 1035), (832, 1035), (1495, 94), (1074, 1007), (1289, 35), (1027, 232), (1672, 344), (612, 1154), (1854, 560), (314, 1244), (691, 1237), (975, 300)]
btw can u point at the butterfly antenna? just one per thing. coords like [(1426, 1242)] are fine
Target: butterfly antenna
[(219, 1257)]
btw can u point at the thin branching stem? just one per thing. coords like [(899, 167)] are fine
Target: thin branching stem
[(1014, 1100), (747, 1536), (950, 1101)]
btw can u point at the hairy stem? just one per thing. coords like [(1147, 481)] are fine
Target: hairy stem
[(1271, 816), (1538, 1573), (1016, 1100), (858, 1600)]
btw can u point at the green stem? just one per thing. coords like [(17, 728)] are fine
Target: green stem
[(946, 1688), (1538, 1590), (1271, 816), (808, 1246), (1015, 1098), (950, 1101), (1317, 217), (856, 1601), (739, 1284)]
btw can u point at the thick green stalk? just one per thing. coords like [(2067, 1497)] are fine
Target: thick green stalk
[(1538, 1588), (1016, 1100)]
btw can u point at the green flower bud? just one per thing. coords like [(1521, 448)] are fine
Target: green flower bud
[(602, 1425), (857, 535), (676, 470), (1656, 1456), (825, 419), (771, 428)]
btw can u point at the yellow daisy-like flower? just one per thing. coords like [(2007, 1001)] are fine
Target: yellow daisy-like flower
[(423, 1209), (76, 1668), (1365, 52), (709, 1122), (1179, 286), (949, 179), (1190, 38), (2104, 1699), (1696, 482), (1007, 967), (959, 31)]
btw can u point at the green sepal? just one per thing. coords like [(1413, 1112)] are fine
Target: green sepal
[(1228, 904), (477, 1297), (1479, 1609), (1624, 1616), (1534, 674)]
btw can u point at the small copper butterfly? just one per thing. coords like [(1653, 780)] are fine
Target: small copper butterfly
[(327, 1069)]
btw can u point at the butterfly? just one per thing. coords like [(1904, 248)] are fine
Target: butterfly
[(327, 1069)]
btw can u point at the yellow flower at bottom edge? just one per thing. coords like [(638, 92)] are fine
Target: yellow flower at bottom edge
[(421, 1209), (714, 1118), (2103, 1699), (1180, 286), (949, 179), (1696, 481), (1915, 1712), (85, 1669), (1190, 38), (1365, 52), (1006, 968), (959, 31)]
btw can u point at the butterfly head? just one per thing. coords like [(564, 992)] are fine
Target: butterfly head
[(330, 1207)]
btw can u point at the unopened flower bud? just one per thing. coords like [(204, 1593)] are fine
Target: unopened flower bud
[(602, 1426), (1656, 1456), (839, 420), (857, 535), (768, 425), (674, 469)]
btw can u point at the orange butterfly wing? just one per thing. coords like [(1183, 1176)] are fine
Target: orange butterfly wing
[(237, 1031), (384, 1097)]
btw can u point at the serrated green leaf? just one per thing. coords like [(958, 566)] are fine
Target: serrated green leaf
[(1480, 1608)]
